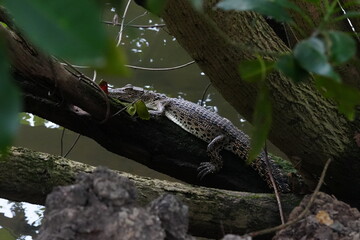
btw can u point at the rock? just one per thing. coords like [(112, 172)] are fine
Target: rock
[(173, 216), (103, 206), (329, 218)]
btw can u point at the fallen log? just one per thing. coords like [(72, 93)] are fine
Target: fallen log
[(29, 176)]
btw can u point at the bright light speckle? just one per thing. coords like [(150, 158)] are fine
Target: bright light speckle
[(141, 42), (156, 29), (30, 119), (136, 50), (49, 124), (202, 74)]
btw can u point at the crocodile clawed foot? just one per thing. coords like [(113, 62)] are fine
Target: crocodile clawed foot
[(205, 168)]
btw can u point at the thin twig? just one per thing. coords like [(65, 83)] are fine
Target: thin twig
[(302, 214), (349, 22), (82, 76), (73, 145), (161, 25), (160, 69), (94, 76), (137, 67), (276, 191), (124, 108), (135, 18), (72, 67), (62, 141), (204, 93), (75, 66), (122, 23)]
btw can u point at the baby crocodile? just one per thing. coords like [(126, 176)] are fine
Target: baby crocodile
[(217, 131)]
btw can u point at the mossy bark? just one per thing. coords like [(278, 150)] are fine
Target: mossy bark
[(29, 176)]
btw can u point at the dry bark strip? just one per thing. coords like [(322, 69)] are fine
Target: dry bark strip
[(29, 176)]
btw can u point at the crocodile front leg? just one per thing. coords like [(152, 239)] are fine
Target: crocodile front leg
[(159, 109), (216, 162)]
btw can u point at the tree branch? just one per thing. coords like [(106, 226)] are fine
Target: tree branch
[(73, 102), (212, 211)]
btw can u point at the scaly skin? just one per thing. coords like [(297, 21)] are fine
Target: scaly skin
[(217, 131)]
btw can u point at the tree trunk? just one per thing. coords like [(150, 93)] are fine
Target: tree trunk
[(306, 127), (29, 176)]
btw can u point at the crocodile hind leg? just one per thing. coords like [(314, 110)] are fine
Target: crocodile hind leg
[(216, 162)]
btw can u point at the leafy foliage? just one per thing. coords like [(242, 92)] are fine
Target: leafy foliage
[(342, 47), (261, 121), (315, 56), (318, 55), (256, 70), (346, 97), (59, 28), (9, 103), (68, 29), (63, 29), (288, 65), (142, 110), (138, 108), (311, 56)]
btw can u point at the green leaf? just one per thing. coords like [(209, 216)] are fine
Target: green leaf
[(346, 97), (156, 6), (9, 103), (67, 29), (342, 48), (262, 123), (311, 56), (288, 65), (142, 110), (115, 62), (255, 70), (131, 109), (271, 8), (349, 14), (4, 24)]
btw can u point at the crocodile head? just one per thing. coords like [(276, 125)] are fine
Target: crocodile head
[(131, 93)]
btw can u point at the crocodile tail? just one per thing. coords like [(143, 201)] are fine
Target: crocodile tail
[(280, 179)]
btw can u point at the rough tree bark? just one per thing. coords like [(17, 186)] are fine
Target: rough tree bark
[(306, 127), (212, 212)]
